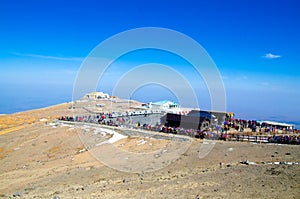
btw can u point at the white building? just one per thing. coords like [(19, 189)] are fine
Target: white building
[(279, 125), (96, 95), (165, 104)]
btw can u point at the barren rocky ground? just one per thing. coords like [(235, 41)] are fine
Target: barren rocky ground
[(39, 160)]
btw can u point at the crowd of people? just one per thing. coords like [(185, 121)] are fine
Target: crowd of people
[(285, 139), (255, 126), (145, 122)]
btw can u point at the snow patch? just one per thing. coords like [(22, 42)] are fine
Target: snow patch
[(141, 142), (115, 136)]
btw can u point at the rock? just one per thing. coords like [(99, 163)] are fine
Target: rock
[(221, 164), (17, 194), (80, 189), (57, 192), (288, 153), (244, 162), (56, 197), (252, 163), (82, 150), (88, 168), (156, 155)]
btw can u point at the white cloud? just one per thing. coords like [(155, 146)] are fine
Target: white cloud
[(271, 56), (50, 57), (241, 78), (265, 84)]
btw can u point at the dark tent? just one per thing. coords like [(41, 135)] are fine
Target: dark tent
[(186, 121), (201, 114), (214, 116)]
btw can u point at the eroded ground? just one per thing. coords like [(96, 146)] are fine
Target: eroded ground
[(43, 161)]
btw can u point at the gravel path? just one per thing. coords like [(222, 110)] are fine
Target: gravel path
[(132, 132)]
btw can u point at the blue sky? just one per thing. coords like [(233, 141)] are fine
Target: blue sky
[(255, 45)]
